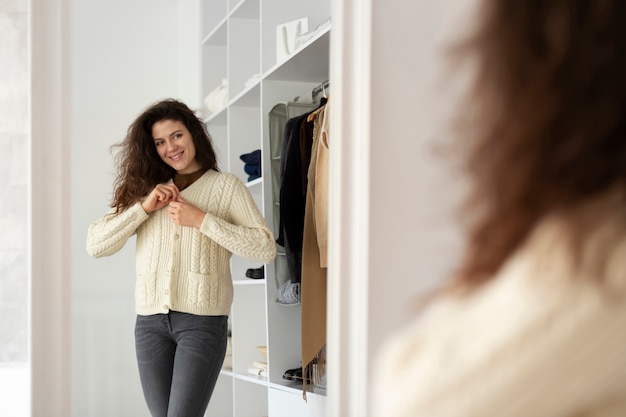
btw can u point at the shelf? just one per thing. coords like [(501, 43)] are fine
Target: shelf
[(246, 9), (254, 182), (218, 36), (213, 15), (287, 305), (214, 55), (296, 388), (217, 118), (309, 62), (249, 97), (259, 380), (249, 281), (244, 47)]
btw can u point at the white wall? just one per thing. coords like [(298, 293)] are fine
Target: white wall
[(14, 142), (124, 55)]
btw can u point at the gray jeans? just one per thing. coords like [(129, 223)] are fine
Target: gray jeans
[(179, 357)]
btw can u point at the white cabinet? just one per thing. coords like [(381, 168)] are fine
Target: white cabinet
[(239, 49)]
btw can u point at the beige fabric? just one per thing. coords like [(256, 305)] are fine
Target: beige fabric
[(545, 338), (183, 268), (319, 192), (314, 247)]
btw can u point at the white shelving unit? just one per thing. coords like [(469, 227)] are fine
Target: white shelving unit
[(239, 46)]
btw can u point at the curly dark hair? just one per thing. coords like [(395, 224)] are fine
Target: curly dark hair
[(548, 120), (140, 168)]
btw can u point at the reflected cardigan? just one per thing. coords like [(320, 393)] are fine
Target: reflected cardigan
[(183, 268), (545, 338)]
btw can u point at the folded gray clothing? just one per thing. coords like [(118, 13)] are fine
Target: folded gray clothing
[(288, 293)]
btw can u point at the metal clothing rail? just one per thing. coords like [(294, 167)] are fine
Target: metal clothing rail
[(321, 88)]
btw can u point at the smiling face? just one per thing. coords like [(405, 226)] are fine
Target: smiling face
[(175, 146)]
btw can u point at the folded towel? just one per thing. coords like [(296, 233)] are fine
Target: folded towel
[(257, 372), (260, 365)]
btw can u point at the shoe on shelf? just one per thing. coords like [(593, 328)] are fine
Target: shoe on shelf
[(256, 273), (295, 375)]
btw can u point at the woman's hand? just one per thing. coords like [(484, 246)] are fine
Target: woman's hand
[(159, 197), (185, 214)]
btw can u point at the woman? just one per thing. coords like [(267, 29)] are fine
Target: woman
[(189, 218), (534, 322)]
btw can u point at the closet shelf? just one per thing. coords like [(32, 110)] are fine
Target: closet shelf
[(254, 182), (249, 97), (245, 9), (259, 380), (297, 388), (288, 305), (219, 117), (218, 35), (309, 62), (249, 281)]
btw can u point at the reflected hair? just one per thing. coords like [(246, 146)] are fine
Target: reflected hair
[(139, 166), (544, 123)]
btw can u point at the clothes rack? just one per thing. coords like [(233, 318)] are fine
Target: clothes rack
[(320, 88)]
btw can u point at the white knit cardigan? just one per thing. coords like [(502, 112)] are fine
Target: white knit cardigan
[(183, 268)]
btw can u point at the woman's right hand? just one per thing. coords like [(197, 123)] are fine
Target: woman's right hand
[(160, 197)]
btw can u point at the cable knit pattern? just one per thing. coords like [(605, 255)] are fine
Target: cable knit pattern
[(183, 268)]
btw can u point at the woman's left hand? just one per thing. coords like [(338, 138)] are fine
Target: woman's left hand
[(185, 214)]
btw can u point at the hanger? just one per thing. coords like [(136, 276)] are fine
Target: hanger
[(320, 89), (313, 115)]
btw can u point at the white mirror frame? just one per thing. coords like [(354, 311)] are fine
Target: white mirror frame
[(348, 281), (49, 206)]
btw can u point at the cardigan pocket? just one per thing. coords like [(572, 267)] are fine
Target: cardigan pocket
[(204, 290), (145, 289)]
